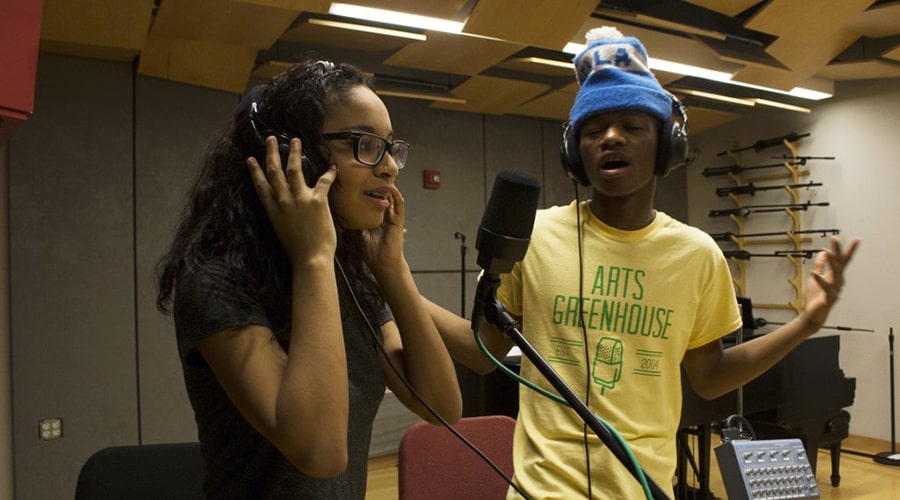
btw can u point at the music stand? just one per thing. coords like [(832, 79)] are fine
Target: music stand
[(890, 457), (748, 322)]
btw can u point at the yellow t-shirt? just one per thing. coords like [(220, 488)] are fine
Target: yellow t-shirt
[(648, 296)]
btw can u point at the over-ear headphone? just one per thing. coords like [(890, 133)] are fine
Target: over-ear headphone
[(252, 131), (671, 150)]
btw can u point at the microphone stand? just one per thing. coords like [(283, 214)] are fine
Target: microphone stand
[(890, 457), (462, 272), (495, 314)]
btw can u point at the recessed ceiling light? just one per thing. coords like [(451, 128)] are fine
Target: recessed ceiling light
[(717, 97), (776, 104), (368, 29), (395, 18)]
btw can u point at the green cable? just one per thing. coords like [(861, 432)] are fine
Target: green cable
[(642, 479)]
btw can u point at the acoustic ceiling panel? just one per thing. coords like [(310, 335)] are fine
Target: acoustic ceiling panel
[(741, 55), (805, 19), (665, 77), (803, 59), (235, 23), (780, 79), (206, 64), (538, 23), (730, 8), (893, 53), (877, 22), (551, 106), (318, 6), (91, 51), (492, 95), (311, 33), (571, 88), (95, 28), (805, 56), (457, 54), (860, 70)]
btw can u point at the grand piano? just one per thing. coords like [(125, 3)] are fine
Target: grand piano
[(803, 396)]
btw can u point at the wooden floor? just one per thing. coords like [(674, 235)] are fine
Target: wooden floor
[(861, 477)]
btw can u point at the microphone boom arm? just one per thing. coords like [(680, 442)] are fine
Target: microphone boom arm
[(495, 314)]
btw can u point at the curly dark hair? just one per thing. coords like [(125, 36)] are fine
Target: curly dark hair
[(224, 230)]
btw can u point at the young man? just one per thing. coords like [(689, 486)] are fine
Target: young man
[(654, 294)]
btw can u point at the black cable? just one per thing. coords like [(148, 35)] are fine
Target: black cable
[(135, 272), (378, 342), (858, 453), (587, 359), (578, 223), (743, 423)]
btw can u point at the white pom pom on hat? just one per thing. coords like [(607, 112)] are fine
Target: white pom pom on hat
[(603, 33)]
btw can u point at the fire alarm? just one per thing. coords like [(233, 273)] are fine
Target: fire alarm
[(432, 179)]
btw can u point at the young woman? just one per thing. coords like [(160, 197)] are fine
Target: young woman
[(293, 303)]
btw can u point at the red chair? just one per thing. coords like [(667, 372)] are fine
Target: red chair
[(433, 464)]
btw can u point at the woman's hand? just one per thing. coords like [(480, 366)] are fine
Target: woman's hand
[(386, 242), (299, 214)]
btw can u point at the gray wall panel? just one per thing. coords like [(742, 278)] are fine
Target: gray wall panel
[(174, 125), (670, 194), (512, 143), (451, 143), (72, 286), (558, 189), (444, 289)]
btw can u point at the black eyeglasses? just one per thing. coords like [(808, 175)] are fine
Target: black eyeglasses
[(369, 148)]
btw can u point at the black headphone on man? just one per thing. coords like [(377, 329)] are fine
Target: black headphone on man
[(671, 150), (252, 131)]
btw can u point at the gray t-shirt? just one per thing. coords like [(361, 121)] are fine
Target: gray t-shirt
[(240, 462)]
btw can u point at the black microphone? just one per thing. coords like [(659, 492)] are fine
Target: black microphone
[(504, 233)]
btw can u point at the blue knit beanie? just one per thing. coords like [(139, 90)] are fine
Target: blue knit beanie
[(614, 75)]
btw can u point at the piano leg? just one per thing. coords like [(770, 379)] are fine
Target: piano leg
[(835, 464), (836, 429)]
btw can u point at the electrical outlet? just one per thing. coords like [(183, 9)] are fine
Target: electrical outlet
[(50, 428)]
